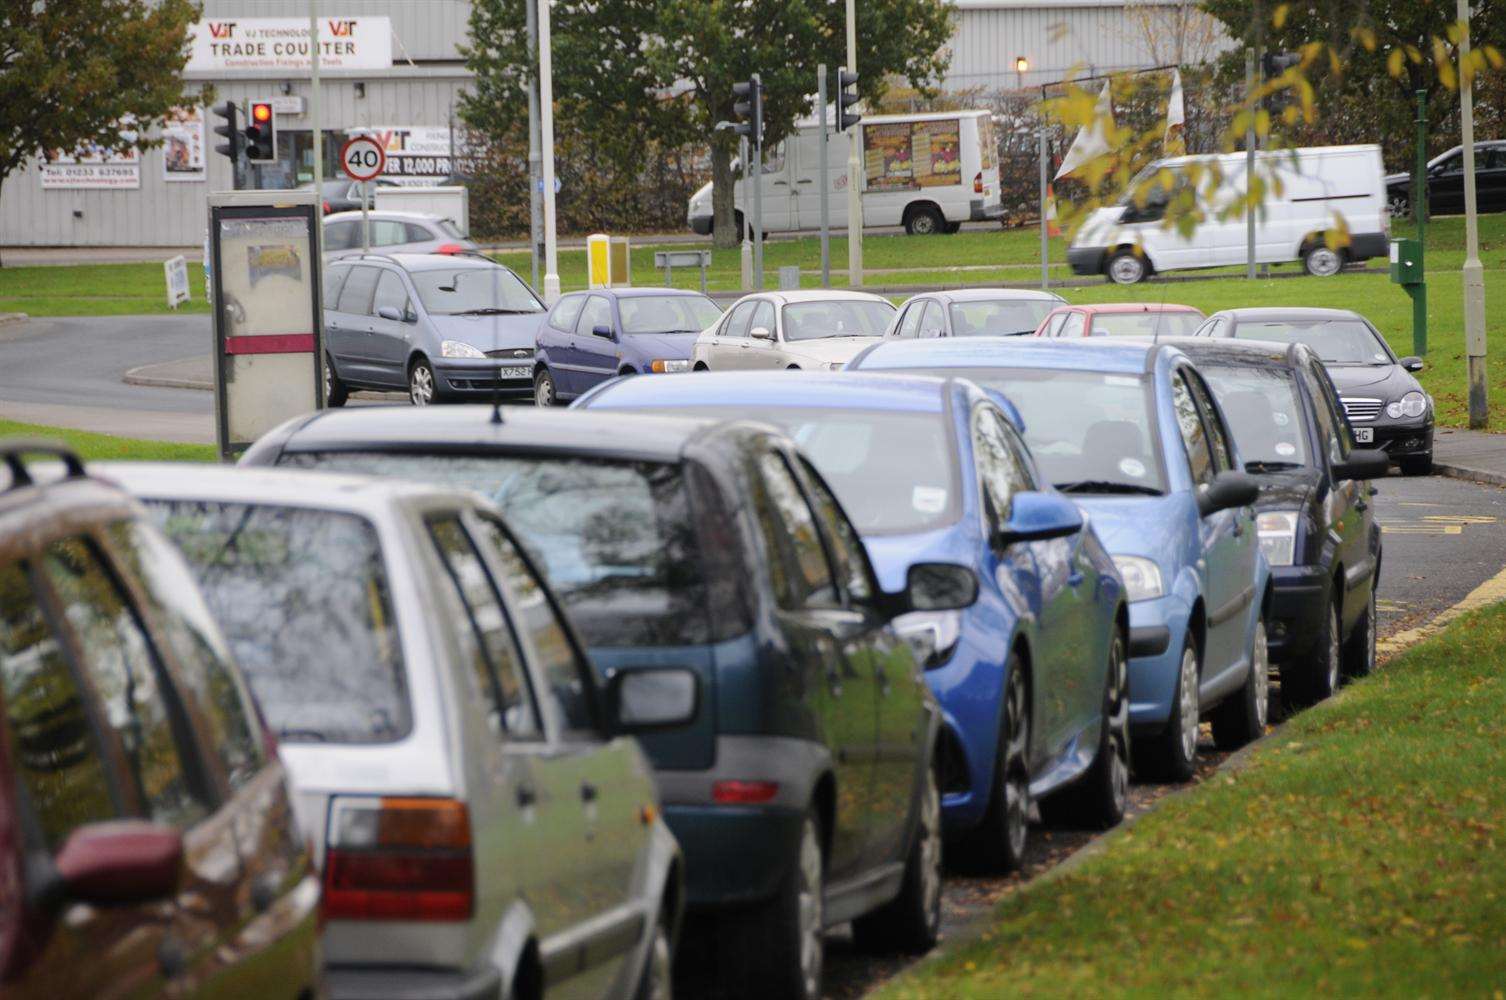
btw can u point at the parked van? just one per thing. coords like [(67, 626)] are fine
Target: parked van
[(1312, 191), (927, 172)]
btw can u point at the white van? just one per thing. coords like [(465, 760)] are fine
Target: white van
[(1318, 187), (927, 172)]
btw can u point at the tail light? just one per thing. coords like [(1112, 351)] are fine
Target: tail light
[(744, 793), (451, 248), (326, 208), (978, 182), (399, 859)]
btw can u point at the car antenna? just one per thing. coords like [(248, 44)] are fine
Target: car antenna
[(497, 396)]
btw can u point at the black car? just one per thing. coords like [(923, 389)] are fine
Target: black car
[(1313, 517), (806, 794), (344, 195), (1445, 181), (1386, 405)]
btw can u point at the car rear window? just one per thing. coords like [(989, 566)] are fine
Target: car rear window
[(303, 598), (1145, 324)]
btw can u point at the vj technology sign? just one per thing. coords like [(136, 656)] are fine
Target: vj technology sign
[(282, 43)]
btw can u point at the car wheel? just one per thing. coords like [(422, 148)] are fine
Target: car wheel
[(998, 842), (1400, 206), (657, 982), (1318, 677), (1417, 465), (700, 366), (1126, 268), (1101, 797), (911, 922), (421, 390), (924, 221), (335, 391), (1359, 651), (543, 389), (1322, 261), (1172, 754), (1241, 718), (776, 948)]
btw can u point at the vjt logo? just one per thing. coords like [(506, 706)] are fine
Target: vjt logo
[(342, 28), (221, 29)]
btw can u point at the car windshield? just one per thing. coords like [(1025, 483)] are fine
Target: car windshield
[(836, 318), (1264, 412), (474, 291), (998, 318), (615, 538), (1144, 324), (1335, 341), (1090, 432), (666, 313), (289, 586)]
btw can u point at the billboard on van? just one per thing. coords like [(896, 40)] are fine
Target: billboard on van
[(903, 156)]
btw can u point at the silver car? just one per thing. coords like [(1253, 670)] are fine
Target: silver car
[(815, 330), (392, 232), (480, 829)]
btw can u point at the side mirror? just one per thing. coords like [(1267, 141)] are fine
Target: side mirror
[(1363, 463), (1228, 490), (1411, 363), (605, 332), (940, 587), (1035, 517), (653, 698), (761, 333), (128, 861), (390, 312)]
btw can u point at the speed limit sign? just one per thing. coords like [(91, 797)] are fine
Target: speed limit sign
[(362, 158)]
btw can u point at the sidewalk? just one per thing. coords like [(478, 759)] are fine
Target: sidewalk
[(1477, 456)]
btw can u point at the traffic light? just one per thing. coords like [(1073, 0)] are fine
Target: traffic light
[(261, 133), (847, 98), (749, 107), (231, 147)]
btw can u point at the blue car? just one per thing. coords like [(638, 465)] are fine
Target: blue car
[(1032, 678), (1131, 431), (590, 337)]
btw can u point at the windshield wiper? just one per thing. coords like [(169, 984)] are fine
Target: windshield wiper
[(490, 311), (302, 735), (1271, 466), (1107, 486)]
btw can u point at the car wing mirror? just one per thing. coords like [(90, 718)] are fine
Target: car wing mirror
[(390, 312), (1035, 517), (126, 861), (1362, 463), (1228, 490), (651, 698), (1411, 363), (761, 333), (938, 586), (604, 332)]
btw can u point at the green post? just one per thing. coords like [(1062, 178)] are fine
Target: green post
[(1420, 213)]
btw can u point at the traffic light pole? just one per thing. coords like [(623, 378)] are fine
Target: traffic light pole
[(825, 219), (1474, 271), (854, 169), (1420, 213), (315, 122), (1250, 165)]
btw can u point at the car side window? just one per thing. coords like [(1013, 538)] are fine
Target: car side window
[(132, 687), (598, 312), (562, 316), (737, 322), (355, 297), (763, 316), (1075, 325), (801, 574), (54, 749), (1023, 464), (334, 277), (1333, 425), (932, 324), (417, 234), (390, 292), (847, 548), (341, 236), (1223, 453), (496, 661), (387, 233), (999, 472), (1194, 437), (910, 322)]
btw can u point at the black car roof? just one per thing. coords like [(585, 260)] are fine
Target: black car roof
[(1229, 350)]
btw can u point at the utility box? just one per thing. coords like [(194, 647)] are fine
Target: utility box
[(620, 262), (1406, 262)]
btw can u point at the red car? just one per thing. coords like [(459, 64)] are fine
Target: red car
[(1121, 319)]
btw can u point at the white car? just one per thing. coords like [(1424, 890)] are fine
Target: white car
[(481, 828), (393, 232), (818, 330)]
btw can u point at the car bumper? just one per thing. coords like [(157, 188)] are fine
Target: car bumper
[(476, 378), (980, 211), (700, 224), (1400, 440), (734, 855), (968, 687), (1156, 630), (1363, 246), (1299, 599), (1085, 260), (381, 983)]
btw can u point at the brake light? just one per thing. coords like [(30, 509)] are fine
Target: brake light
[(326, 208), (451, 248), (744, 793), (399, 859), (978, 182)]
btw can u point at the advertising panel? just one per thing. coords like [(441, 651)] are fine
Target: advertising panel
[(417, 155), (183, 145), (282, 43), (904, 156), (91, 166), (886, 157)]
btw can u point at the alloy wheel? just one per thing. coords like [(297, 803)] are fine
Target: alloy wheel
[(811, 905), (1334, 650), (930, 850), (421, 385), (1322, 262), (1117, 720), (1370, 632), (1187, 702), (1126, 269), (543, 390), (1260, 675), (1015, 783)]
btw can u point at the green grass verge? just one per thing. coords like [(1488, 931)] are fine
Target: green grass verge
[(105, 447), (95, 290), (1361, 852)]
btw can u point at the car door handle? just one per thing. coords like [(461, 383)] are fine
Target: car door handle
[(805, 181), (527, 796), (587, 792)]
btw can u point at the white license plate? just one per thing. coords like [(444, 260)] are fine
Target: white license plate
[(1364, 435), (514, 372)]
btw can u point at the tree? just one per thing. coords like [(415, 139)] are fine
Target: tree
[(73, 71)]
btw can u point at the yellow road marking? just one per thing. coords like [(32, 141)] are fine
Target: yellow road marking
[(1422, 529), (1489, 592), (1459, 518)]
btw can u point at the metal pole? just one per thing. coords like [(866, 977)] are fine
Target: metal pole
[(1250, 165), (314, 120), (535, 196), (1045, 232), (1420, 213), (365, 217), (546, 117), (1474, 271), (854, 168), (758, 190), (745, 244), (825, 184)]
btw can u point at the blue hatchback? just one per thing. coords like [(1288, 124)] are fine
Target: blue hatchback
[(589, 337), (1033, 677), (1132, 432)]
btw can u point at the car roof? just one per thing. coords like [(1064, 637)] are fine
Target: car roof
[(1258, 313), (382, 213), (1097, 354), (56, 500), (822, 295), (1227, 349), (995, 295), (1136, 307), (422, 261), (836, 390), (639, 292), (290, 487)]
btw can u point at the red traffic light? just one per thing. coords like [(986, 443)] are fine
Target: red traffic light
[(261, 112)]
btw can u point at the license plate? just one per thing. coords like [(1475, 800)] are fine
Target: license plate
[(1364, 435), (515, 372)]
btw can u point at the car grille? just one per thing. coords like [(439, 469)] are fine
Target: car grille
[(512, 354), (1361, 409)]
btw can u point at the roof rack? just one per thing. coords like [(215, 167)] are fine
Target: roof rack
[(13, 449)]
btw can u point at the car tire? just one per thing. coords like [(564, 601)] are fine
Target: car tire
[(657, 981), (776, 948), (925, 220), (1099, 800), (1359, 650), (1241, 719), (1321, 261), (544, 393), (999, 841), (335, 391), (911, 922), (1126, 268), (1417, 465), (1400, 206), (1317, 677), (1172, 754), (700, 366), (422, 390)]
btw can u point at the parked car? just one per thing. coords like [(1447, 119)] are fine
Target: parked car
[(589, 337), (1313, 517), (972, 312), (1121, 319), (392, 232), (817, 329), (1145, 451), (438, 327), (147, 839), (1032, 679), (1387, 407), (1445, 182), (481, 827), (340, 194), (1307, 188), (804, 794)]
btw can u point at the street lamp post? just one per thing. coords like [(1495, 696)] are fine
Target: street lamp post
[(854, 168), (1474, 271), (546, 120)]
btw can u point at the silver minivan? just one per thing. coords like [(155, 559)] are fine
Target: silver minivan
[(481, 829)]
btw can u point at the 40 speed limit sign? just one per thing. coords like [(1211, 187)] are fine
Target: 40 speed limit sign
[(362, 158)]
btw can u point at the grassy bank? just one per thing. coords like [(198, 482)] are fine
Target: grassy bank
[(105, 447), (1362, 851)]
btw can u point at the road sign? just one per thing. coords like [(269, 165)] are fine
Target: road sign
[(362, 158), (176, 270)]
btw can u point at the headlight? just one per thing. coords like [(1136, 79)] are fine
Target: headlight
[(932, 634), (669, 365), (1413, 404), (1277, 531), (458, 349), (1142, 577)]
